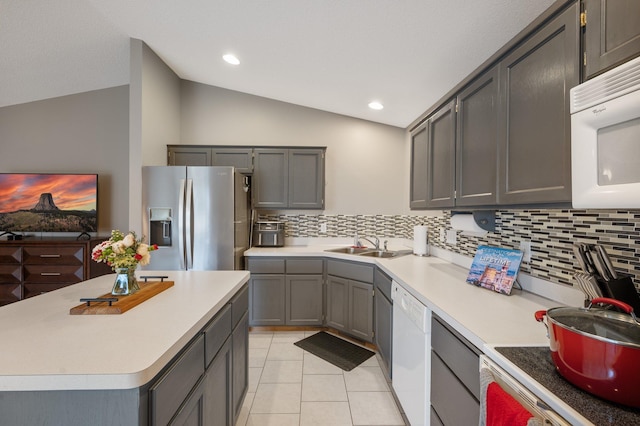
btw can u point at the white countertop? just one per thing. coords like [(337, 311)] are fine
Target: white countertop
[(485, 318), (43, 347)]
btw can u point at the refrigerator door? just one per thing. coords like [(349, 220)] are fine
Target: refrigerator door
[(241, 220), (210, 228), (163, 214)]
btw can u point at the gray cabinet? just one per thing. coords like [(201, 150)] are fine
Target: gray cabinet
[(240, 158), (240, 364), (419, 149), (188, 155), (612, 34), (206, 155), (290, 178), (286, 291), (218, 381), (350, 298), (535, 127), (441, 157), (476, 142), (383, 314), (455, 379)]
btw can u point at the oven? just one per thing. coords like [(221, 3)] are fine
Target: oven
[(605, 139), (490, 371)]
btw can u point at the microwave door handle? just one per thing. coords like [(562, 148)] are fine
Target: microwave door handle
[(181, 223), (189, 220)]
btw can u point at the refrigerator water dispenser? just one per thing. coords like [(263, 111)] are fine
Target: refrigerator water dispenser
[(160, 226)]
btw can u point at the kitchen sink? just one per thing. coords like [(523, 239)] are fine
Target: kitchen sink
[(370, 252), (350, 250)]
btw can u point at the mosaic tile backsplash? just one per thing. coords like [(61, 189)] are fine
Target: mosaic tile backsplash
[(551, 232)]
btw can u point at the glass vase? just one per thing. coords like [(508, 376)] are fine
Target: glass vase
[(126, 282)]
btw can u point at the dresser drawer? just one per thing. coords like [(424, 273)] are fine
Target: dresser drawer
[(53, 273), (54, 255), (10, 293), (10, 274), (10, 255)]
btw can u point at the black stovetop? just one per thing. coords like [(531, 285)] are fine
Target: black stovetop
[(537, 363)]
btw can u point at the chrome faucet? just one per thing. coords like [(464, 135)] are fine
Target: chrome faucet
[(376, 243)]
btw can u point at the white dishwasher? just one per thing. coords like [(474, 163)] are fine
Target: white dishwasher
[(411, 361)]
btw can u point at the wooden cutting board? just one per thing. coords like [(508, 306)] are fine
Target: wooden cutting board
[(124, 303)]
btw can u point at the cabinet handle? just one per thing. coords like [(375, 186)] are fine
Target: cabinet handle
[(49, 255), (50, 274)]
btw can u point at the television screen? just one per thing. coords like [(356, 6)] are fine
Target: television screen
[(48, 202)]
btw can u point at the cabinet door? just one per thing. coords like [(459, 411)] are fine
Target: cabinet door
[(383, 328), (306, 178), (240, 158), (303, 300), (361, 310), (192, 411), (266, 300), (271, 178), (419, 149), (441, 162), (476, 142), (240, 365), (337, 303), (612, 34), (535, 128), (218, 389), (188, 156)]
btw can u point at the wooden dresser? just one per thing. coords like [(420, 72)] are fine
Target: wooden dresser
[(34, 266)]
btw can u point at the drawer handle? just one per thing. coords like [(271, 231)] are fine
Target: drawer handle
[(50, 274), (50, 255)]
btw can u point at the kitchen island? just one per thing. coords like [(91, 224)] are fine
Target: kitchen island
[(57, 368)]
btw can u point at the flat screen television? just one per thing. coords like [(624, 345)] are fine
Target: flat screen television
[(40, 202)]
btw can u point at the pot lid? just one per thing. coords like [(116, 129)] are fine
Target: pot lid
[(602, 324)]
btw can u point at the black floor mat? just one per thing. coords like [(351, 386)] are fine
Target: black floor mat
[(335, 350)]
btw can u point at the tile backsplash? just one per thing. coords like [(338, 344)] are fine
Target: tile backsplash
[(551, 233)]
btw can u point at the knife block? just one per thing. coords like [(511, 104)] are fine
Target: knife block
[(621, 289)]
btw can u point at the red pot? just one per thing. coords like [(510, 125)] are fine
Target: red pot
[(597, 350)]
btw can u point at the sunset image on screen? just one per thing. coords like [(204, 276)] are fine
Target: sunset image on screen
[(48, 202)]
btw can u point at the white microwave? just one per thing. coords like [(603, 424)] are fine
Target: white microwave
[(605, 139)]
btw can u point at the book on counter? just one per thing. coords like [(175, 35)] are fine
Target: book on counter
[(495, 268)]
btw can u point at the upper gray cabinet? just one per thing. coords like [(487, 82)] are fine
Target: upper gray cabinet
[(193, 155), (476, 147), (454, 154), (419, 148), (612, 34), (441, 157), (290, 178), (188, 155), (535, 124)]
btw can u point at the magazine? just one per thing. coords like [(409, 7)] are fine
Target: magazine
[(495, 268)]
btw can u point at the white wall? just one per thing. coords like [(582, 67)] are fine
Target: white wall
[(367, 164)]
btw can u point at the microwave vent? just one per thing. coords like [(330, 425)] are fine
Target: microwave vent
[(619, 81)]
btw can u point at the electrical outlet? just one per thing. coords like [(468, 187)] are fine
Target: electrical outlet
[(442, 236), (452, 237), (525, 248), (323, 228)]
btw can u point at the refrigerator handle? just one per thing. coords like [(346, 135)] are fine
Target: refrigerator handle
[(188, 221), (181, 223)]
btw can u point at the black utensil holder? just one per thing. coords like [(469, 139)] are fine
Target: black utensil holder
[(621, 289)]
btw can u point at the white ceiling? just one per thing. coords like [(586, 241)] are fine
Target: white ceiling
[(333, 55)]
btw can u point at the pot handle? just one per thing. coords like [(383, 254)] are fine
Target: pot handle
[(617, 303), (540, 315)]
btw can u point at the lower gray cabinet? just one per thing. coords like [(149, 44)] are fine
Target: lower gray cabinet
[(383, 314), (337, 303), (350, 307), (303, 300), (266, 295), (240, 365), (218, 409), (455, 377)]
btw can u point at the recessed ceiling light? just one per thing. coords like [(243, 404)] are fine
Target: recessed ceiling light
[(231, 59), (375, 105)]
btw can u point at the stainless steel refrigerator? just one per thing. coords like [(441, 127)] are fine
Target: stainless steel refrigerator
[(198, 217)]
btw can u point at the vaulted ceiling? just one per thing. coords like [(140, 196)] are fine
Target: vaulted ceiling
[(333, 55)]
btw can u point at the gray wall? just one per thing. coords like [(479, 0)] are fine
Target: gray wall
[(154, 118), (82, 133)]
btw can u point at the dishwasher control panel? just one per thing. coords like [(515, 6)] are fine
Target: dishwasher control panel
[(412, 307)]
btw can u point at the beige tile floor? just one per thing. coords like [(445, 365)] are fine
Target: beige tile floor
[(289, 386)]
